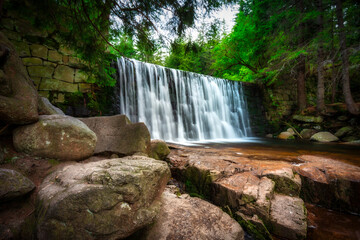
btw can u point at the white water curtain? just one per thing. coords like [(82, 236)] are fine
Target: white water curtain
[(182, 106)]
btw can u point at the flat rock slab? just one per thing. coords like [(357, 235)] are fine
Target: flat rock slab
[(56, 136), (108, 199), (116, 134), (13, 184), (184, 217)]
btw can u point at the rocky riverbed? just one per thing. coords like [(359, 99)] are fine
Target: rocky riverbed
[(268, 189)]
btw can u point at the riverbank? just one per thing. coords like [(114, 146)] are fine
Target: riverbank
[(329, 176)]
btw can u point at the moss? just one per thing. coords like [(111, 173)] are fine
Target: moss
[(285, 185), (53, 162), (256, 232), (198, 182)]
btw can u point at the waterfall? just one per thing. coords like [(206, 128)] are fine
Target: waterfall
[(181, 106)]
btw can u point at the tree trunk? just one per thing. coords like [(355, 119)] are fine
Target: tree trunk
[(351, 105), (301, 89), (320, 101), (333, 84)]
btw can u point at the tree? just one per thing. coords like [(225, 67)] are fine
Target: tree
[(351, 105), (91, 26), (320, 93)]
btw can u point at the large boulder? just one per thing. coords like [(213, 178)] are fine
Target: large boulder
[(108, 199), (344, 131), (184, 217), (116, 134), (13, 184), (56, 136), (159, 149), (18, 96), (324, 137), (46, 108)]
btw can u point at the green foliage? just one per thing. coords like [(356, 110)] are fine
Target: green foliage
[(99, 31), (196, 55)]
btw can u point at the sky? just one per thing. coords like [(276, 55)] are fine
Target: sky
[(226, 13)]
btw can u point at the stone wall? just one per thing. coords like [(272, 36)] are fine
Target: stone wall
[(55, 70), (254, 95), (280, 100)]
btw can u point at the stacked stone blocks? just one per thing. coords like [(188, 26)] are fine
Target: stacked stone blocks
[(54, 68)]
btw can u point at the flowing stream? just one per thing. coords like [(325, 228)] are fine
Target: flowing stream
[(182, 106)]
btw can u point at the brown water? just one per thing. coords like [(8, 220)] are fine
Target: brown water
[(322, 223)]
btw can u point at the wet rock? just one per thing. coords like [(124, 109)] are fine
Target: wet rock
[(330, 183), (18, 96), (269, 135), (13, 184), (185, 217), (342, 132), (108, 199), (290, 130), (159, 149), (56, 136), (118, 135), (308, 119), (46, 108), (324, 137), (286, 135), (307, 133), (288, 217)]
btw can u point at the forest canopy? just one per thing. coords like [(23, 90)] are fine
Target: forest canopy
[(314, 43)]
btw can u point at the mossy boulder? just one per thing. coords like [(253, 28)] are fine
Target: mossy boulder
[(324, 137), (308, 119), (108, 199), (159, 149), (13, 184), (344, 131), (56, 136)]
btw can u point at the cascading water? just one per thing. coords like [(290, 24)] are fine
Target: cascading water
[(181, 106)]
